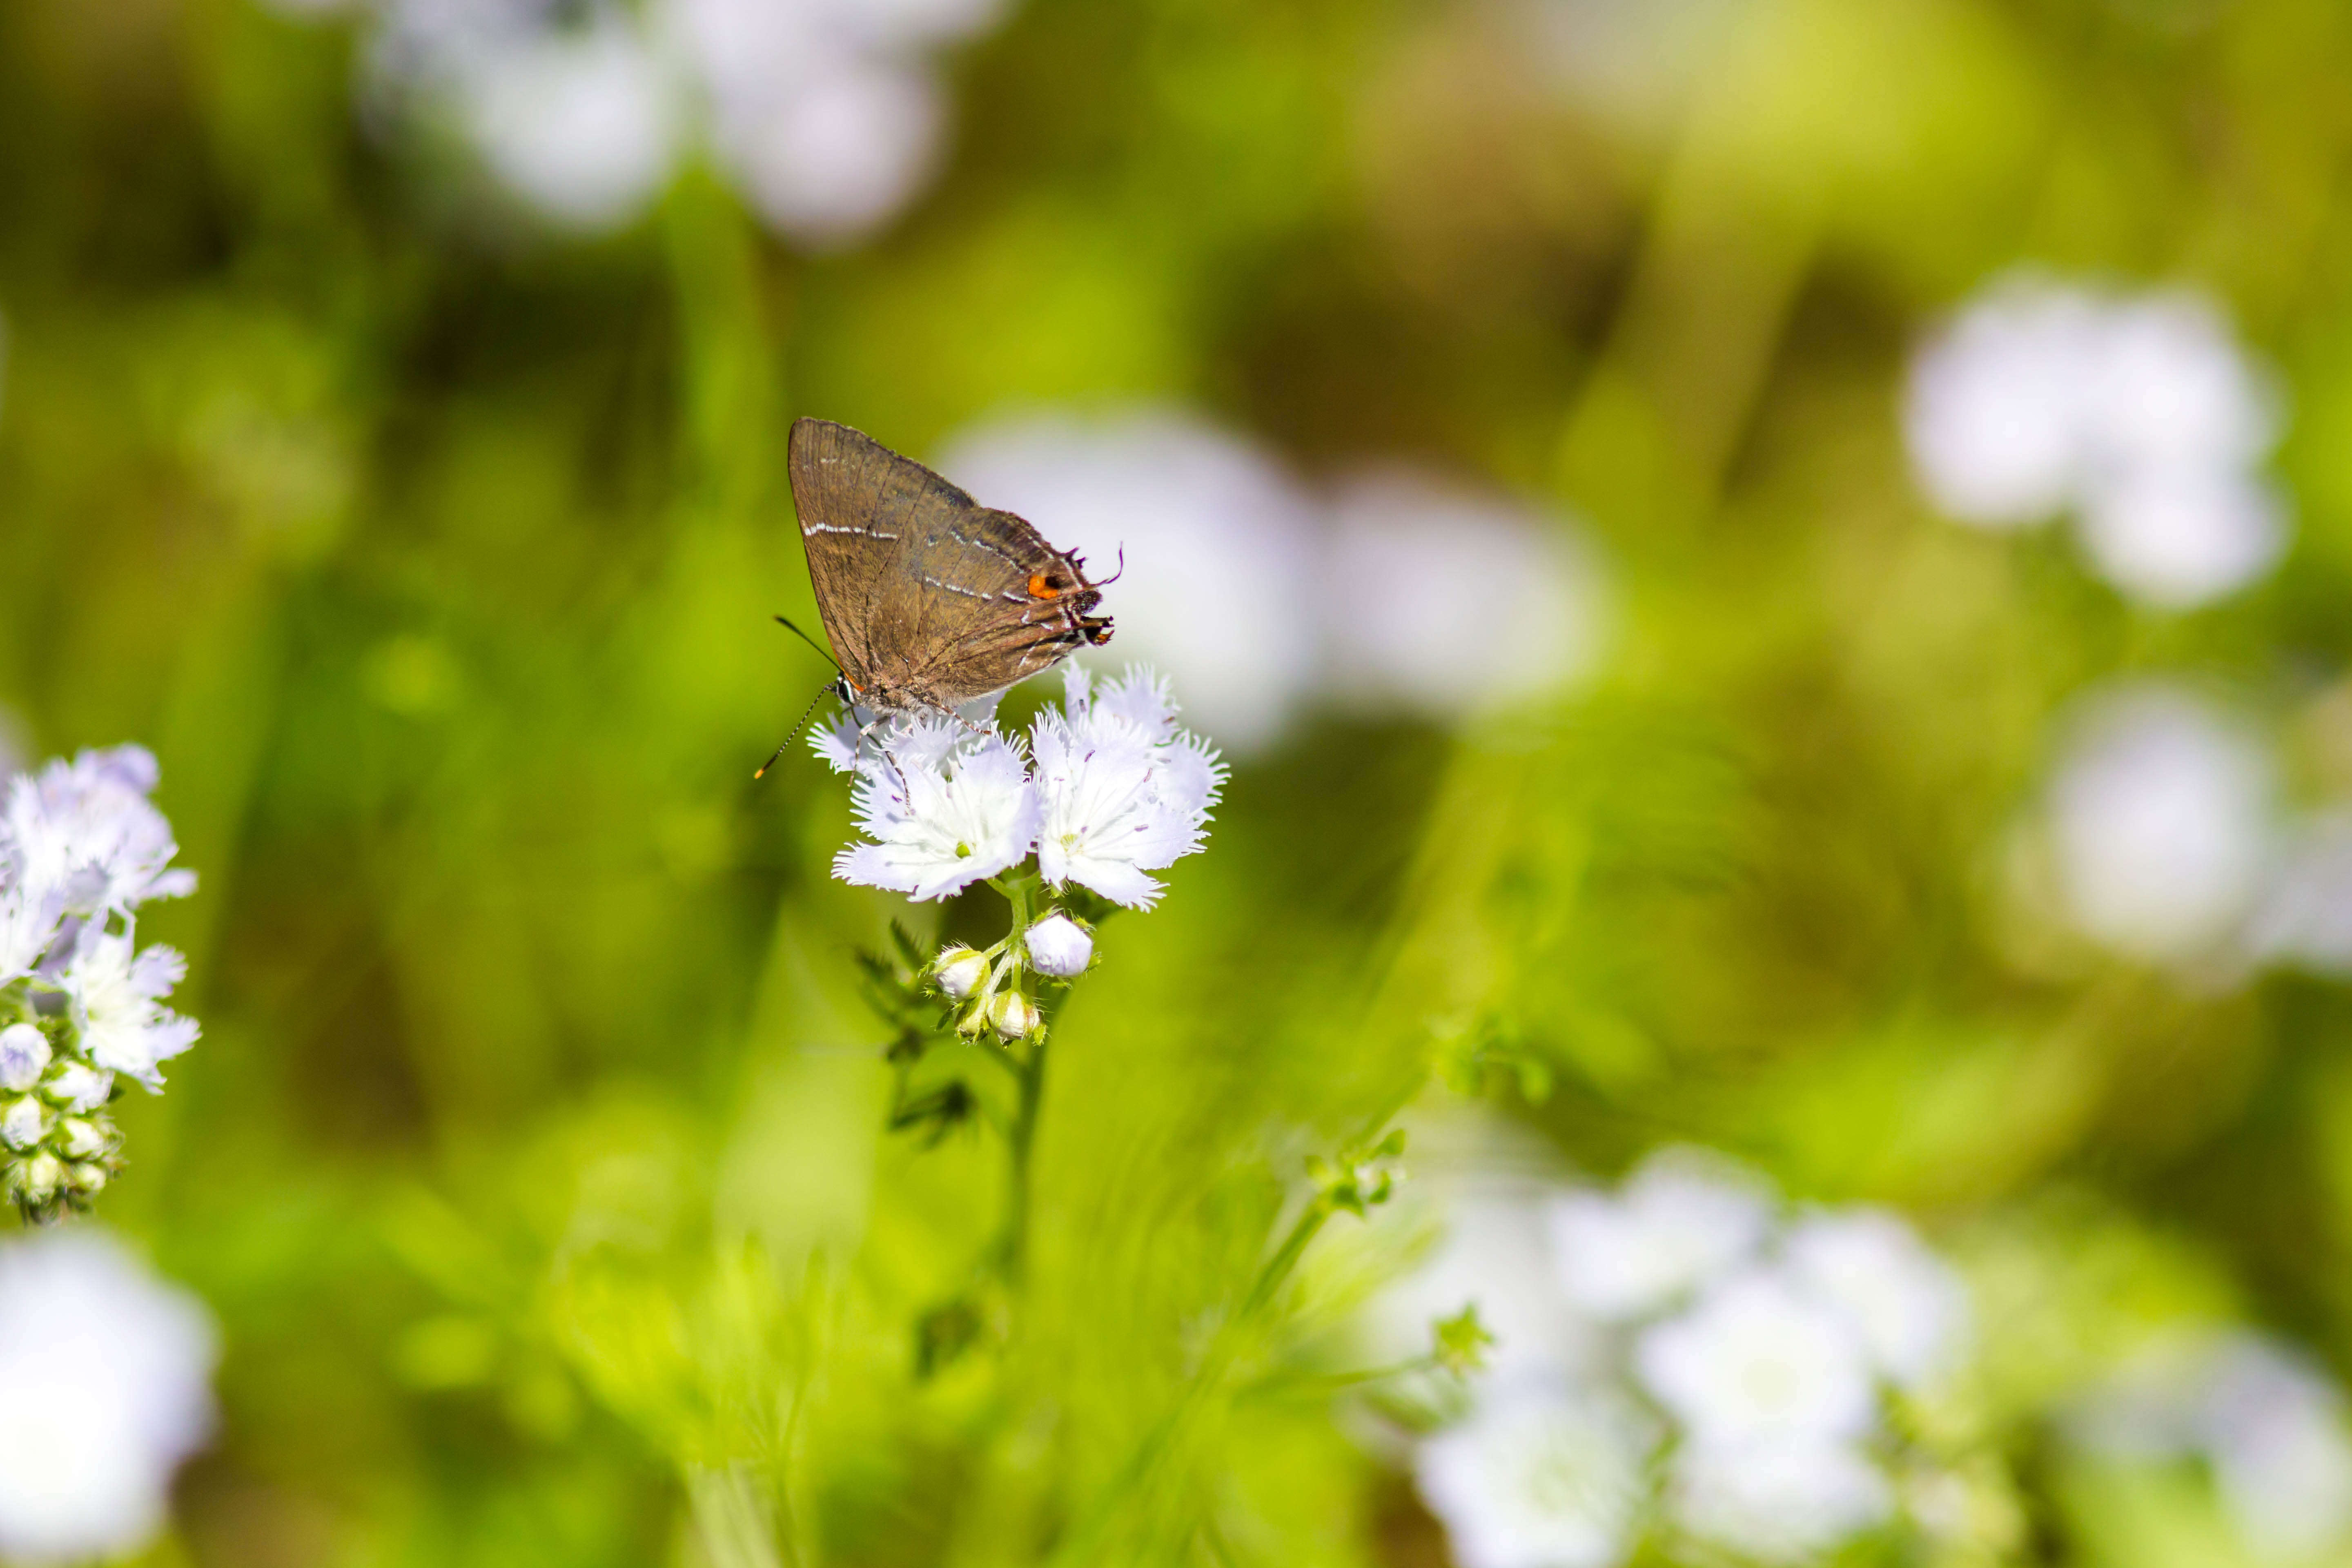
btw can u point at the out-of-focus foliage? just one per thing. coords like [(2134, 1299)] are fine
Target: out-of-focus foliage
[(533, 1163)]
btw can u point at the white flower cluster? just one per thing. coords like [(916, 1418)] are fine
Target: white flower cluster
[(106, 1370), (827, 114), (2268, 1425), (1394, 591), (2139, 413), (80, 849), (1686, 1316), (1116, 792)]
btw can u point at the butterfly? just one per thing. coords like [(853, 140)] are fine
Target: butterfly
[(929, 598)]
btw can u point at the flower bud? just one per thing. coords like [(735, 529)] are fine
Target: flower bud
[(85, 1176), (80, 1086), (959, 969), (1059, 946), (38, 1178), (23, 1122), (24, 1057), (81, 1141), (1012, 1015)]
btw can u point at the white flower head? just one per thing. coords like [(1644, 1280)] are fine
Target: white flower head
[(1907, 1305), (2141, 413), (1778, 1501), (1758, 1358), (2176, 536), (30, 920), (1996, 409), (1684, 1217), (106, 1370), (839, 151), (115, 993), (24, 1057), (2171, 389), (579, 124), (1544, 1477), (1059, 946), (940, 826), (82, 834), (2160, 821), (1124, 793)]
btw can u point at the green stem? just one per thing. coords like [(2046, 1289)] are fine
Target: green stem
[(1285, 1258), (1030, 1072)]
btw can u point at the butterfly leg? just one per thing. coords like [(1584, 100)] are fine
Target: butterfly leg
[(876, 722)]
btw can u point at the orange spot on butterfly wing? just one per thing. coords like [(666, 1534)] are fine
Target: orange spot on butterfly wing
[(1042, 587)]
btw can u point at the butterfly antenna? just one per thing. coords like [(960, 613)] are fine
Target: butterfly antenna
[(797, 728), (820, 651)]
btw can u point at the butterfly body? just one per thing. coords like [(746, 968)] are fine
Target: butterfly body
[(929, 599)]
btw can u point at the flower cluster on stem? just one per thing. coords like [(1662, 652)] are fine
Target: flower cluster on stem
[(1068, 823), (81, 848)]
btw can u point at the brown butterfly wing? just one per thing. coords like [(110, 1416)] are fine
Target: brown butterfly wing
[(929, 598), (1007, 605), (853, 495)]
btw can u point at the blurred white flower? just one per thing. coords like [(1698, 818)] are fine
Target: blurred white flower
[(1995, 407), (1218, 546), (106, 1371), (115, 992), (838, 153), (2170, 389), (1492, 1253), (1442, 602), (1777, 1499), (1908, 1305), (1543, 1477), (827, 114), (24, 1057), (1684, 1217), (2274, 1430), (1124, 791), (2141, 414), (2269, 1423), (580, 124), (2179, 537), (2160, 824), (1759, 1359), (939, 826), (1059, 946), (2305, 916)]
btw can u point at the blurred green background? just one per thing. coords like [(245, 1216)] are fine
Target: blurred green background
[(532, 1156)]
